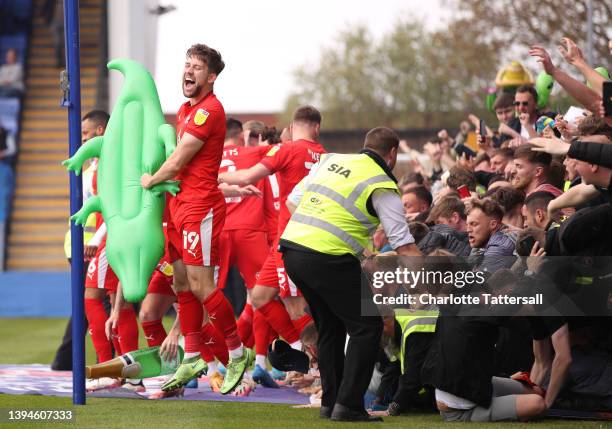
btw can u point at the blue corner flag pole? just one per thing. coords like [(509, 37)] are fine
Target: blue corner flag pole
[(72, 100)]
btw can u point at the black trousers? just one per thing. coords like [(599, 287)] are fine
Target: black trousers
[(332, 288)]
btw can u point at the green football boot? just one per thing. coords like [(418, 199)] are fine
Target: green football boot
[(187, 371), (235, 370)]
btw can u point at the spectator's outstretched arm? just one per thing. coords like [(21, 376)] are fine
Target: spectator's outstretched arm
[(573, 55), (543, 356), (585, 95), (560, 364), (574, 196)]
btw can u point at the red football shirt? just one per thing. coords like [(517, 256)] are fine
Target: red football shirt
[(292, 161), (205, 121), (244, 212)]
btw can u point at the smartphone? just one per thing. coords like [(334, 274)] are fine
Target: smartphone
[(483, 131), (464, 192), (607, 98)]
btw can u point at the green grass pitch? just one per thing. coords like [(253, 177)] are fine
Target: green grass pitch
[(27, 341)]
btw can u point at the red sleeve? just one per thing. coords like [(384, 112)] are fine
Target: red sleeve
[(276, 158), (203, 122)]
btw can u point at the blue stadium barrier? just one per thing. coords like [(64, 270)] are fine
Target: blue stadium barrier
[(34, 294)]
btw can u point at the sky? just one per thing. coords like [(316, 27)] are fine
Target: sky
[(262, 42)]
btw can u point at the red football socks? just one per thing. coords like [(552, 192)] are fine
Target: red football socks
[(212, 338), (245, 326), (190, 317), (301, 323), (277, 316), (261, 332), (221, 315), (154, 331), (128, 329), (96, 317)]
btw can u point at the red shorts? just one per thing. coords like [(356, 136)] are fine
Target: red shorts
[(246, 249), (160, 284), (100, 275), (273, 274), (194, 232)]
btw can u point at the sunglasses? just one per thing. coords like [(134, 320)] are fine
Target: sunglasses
[(521, 103)]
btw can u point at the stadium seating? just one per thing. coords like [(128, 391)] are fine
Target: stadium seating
[(15, 16), (9, 114), (18, 42)]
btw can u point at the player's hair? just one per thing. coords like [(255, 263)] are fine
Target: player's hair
[(524, 152), (271, 135), (488, 207), (530, 89), (254, 127), (445, 208), (307, 114), (233, 128), (538, 200), (98, 117), (421, 193), (503, 101), (381, 140), (211, 57)]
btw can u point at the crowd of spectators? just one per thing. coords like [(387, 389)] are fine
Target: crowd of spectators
[(525, 204), (519, 205)]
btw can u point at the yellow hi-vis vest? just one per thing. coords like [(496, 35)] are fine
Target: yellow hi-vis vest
[(90, 225), (332, 216), (88, 232), (414, 321)]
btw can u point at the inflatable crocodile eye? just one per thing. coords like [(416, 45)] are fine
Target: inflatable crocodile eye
[(136, 141), (543, 86)]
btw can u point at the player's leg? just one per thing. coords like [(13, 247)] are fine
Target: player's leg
[(158, 300), (263, 297), (95, 313), (250, 249), (94, 307), (292, 298), (190, 316), (202, 257)]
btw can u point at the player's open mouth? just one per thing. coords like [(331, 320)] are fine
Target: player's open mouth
[(188, 83)]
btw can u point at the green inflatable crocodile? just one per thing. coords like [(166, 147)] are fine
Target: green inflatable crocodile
[(137, 141)]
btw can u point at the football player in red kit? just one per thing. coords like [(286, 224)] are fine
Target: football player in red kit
[(291, 161), (248, 233), (197, 214)]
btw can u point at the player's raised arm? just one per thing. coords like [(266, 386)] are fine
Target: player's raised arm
[(245, 177)]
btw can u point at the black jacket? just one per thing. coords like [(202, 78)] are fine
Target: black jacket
[(461, 360)]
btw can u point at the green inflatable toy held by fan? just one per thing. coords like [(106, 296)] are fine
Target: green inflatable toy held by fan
[(137, 141), (143, 363)]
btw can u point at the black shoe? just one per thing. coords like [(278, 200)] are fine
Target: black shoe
[(325, 412), (344, 414)]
